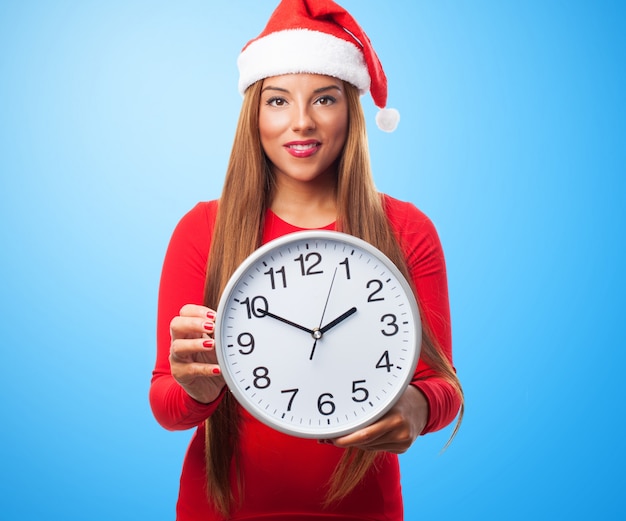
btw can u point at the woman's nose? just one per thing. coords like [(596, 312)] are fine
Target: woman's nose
[(303, 119)]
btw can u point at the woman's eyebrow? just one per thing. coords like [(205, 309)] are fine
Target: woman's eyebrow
[(316, 91), (325, 89), (270, 87)]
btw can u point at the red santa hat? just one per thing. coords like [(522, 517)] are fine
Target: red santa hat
[(317, 37)]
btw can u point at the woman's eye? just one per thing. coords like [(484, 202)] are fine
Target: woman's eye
[(276, 102), (326, 100)]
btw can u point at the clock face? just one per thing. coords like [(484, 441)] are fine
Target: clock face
[(317, 334)]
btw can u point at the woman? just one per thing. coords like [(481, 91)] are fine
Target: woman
[(299, 161)]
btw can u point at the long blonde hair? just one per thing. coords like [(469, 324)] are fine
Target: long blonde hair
[(243, 204)]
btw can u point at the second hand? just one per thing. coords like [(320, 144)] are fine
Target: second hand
[(332, 282)]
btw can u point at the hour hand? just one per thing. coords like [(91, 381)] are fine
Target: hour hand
[(265, 313), (317, 333), (339, 319)]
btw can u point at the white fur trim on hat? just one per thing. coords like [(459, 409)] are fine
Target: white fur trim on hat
[(302, 51)]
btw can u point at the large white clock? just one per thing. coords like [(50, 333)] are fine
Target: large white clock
[(317, 334)]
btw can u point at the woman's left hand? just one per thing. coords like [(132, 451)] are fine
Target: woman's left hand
[(396, 431)]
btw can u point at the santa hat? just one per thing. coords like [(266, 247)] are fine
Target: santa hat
[(317, 37)]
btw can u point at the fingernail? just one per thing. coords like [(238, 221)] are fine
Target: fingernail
[(209, 326), (208, 343), (216, 370), (211, 315)]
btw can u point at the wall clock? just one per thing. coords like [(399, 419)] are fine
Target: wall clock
[(317, 334)]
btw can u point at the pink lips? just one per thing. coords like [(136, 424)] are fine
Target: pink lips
[(303, 149)]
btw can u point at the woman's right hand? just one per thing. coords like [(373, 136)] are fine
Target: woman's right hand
[(192, 353)]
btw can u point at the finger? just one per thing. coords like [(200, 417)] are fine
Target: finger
[(389, 445), (193, 350), (194, 310), (381, 444), (195, 370), (361, 438), (390, 431), (201, 381), (190, 359), (191, 326)]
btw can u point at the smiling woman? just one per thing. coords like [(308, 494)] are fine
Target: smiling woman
[(299, 161)]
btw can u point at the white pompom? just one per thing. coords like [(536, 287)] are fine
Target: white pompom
[(387, 119)]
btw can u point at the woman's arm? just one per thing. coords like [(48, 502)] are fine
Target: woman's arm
[(185, 389), (426, 264)]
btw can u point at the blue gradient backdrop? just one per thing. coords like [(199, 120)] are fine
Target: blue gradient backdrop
[(116, 117)]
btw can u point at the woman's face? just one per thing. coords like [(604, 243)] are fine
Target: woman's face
[(303, 124)]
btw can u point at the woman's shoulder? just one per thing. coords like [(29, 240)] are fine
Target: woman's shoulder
[(200, 216), (204, 209), (417, 235), (194, 230), (403, 214)]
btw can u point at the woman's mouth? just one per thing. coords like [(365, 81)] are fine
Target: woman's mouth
[(302, 149)]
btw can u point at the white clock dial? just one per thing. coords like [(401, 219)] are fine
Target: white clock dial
[(317, 334)]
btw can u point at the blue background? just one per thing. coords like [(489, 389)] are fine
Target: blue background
[(117, 117)]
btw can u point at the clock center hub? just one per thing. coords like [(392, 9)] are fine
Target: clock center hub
[(317, 334)]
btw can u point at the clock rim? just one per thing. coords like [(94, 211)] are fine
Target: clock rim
[(242, 399)]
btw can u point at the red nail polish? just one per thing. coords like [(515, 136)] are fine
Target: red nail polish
[(216, 370), (208, 343), (211, 315), (209, 326)]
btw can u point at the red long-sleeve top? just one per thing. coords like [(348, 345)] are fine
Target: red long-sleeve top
[(285, 477)]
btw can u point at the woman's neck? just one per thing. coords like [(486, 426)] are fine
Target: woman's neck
[(305, 206)]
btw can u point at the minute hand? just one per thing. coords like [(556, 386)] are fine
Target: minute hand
[(269, 314), (339, 319)]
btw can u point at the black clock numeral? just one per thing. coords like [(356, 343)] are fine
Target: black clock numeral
[(378, 285), (392, 324), (246, 340), (272, 273), (365, 393), (324, 406), (384, 363), (293, 395), (309, 263), (261, 378), (347, 265), (256, 307)]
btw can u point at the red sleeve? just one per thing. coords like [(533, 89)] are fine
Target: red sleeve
[(426, 263), (182, 282)]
